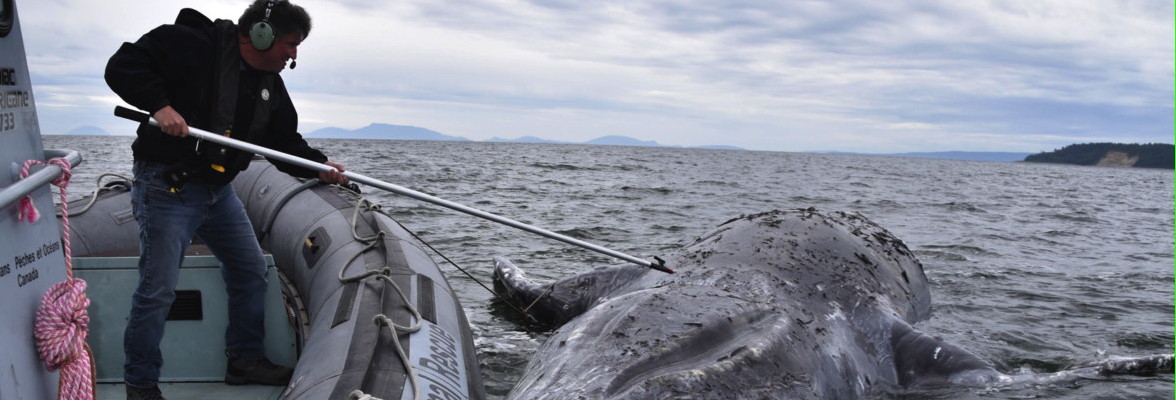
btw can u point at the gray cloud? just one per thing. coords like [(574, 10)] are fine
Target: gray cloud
[(780, 75)]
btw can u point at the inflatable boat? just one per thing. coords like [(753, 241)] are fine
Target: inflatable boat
[(363, 308)]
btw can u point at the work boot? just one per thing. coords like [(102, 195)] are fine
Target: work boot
[(151, 393), (261, 371)]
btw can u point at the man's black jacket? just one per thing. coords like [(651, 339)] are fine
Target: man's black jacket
[(176, 65)]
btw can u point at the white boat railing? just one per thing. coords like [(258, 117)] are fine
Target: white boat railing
[(37, 179)]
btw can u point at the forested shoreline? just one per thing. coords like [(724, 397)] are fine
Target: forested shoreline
[(1154, 155)]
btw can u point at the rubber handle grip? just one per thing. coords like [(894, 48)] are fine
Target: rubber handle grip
[(139, 116)]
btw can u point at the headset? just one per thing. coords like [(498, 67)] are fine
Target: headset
[(261, 33)]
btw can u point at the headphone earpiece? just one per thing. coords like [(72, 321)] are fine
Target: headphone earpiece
[(261, 33)]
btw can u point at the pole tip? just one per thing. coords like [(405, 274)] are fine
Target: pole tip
[(660, 265)]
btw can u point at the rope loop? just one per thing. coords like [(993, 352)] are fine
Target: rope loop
[(62, 324), (360, 395), (28, 211)]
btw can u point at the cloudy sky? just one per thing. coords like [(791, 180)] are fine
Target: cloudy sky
[(848, 75)]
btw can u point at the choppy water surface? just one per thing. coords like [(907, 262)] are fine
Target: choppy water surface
[(1033, 266)]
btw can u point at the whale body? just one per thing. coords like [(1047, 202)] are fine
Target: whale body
[(782, 304)]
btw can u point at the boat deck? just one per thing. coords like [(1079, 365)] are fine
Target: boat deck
[(198, 390), (194, 362)]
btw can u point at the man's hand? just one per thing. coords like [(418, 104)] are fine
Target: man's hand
[(171, 122), (335, 175)]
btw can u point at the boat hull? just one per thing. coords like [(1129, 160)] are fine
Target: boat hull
[(316, 234)]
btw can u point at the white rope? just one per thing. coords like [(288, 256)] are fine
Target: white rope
[(98, 188), (397, 329), (359, 395), (380, 319), (363, 205)]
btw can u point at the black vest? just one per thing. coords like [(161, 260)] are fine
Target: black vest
[(239, 103)]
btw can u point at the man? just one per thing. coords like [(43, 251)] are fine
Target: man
[(221, 77)]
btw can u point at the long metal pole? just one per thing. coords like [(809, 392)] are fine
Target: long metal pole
[(403, 191)]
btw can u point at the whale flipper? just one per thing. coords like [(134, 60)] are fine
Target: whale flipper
[(558, 302), (922, 360)]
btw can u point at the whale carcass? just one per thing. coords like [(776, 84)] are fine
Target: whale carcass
[(783, 304)]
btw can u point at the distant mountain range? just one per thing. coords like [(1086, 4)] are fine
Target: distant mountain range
[(383, 131), (88, 130), (611, 140), (963, 155), (404, 132)]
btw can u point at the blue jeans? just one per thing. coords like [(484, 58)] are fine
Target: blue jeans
[(167, 222)]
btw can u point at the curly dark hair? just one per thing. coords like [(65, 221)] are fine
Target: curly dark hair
[(285, 17)]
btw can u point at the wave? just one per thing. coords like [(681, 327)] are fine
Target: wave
[(595, 232), (661, 191), (731, 184), (961, 207), (1150, 341), (1081, 217), (558, 166), (959, 248)]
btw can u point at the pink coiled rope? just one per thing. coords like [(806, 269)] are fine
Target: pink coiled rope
[(62, 322)]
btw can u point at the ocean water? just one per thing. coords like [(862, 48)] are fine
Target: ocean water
[(1035, 267)]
